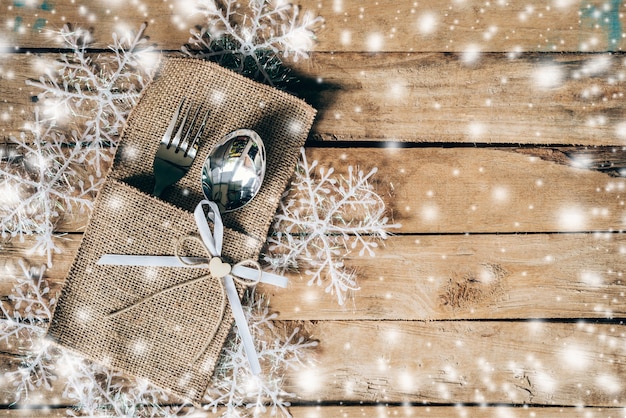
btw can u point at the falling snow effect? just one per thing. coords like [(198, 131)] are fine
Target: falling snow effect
[(324, 217), (42, 173)]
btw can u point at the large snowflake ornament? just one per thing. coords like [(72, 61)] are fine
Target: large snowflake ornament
[(322, 219), (253, 39), (40, 179), (96, 92), (50, 170)]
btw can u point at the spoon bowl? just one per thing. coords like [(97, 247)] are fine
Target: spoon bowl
[(233, 172)]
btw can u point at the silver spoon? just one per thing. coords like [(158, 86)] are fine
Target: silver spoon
[(233, 172), (231, 176)]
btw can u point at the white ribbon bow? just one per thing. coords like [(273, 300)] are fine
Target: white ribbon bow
[(219, 270)]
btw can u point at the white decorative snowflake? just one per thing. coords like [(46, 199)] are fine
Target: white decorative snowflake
[(40, 179), (96, 390), (236, 388), (46, 171), (97, 91), (324, 218), (252, 39)]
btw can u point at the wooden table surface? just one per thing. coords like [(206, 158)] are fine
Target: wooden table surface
[(498, 129)]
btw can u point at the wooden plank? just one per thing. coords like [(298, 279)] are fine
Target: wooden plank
[(473, 277), (34, 24), (451, 363), (466, 362), (438, 190), (385, 25), (433, 98), (368, 411), (479, 190), (470, 26), (444, 277), (538, 99)]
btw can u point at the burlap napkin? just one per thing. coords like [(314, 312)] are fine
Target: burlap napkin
[(161, 340)]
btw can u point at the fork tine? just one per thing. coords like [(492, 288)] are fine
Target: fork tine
[(199, 132), (167, 136), (179, 132), (184, 146)]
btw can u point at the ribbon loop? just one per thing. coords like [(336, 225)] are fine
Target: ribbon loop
[(212, 241)]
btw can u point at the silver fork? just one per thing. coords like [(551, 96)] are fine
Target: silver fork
[(175, 155)]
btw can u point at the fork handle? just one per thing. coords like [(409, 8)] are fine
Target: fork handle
[(169, 175), (158, 189)]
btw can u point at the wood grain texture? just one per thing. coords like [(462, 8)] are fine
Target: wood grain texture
[(441, 277), (428, 98), (386, 25), (478, 190), (467, 190), (512, 362), (532, 99), (473, 277)]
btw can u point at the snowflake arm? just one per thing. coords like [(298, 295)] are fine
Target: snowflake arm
[(236, 388), (98, 92), (47, 180)]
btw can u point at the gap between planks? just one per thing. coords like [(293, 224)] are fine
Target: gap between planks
[(381, 411)]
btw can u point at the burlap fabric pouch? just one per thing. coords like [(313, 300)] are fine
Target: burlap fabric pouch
[(161, 339)]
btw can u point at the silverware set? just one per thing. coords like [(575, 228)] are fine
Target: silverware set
[(233, 171)]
